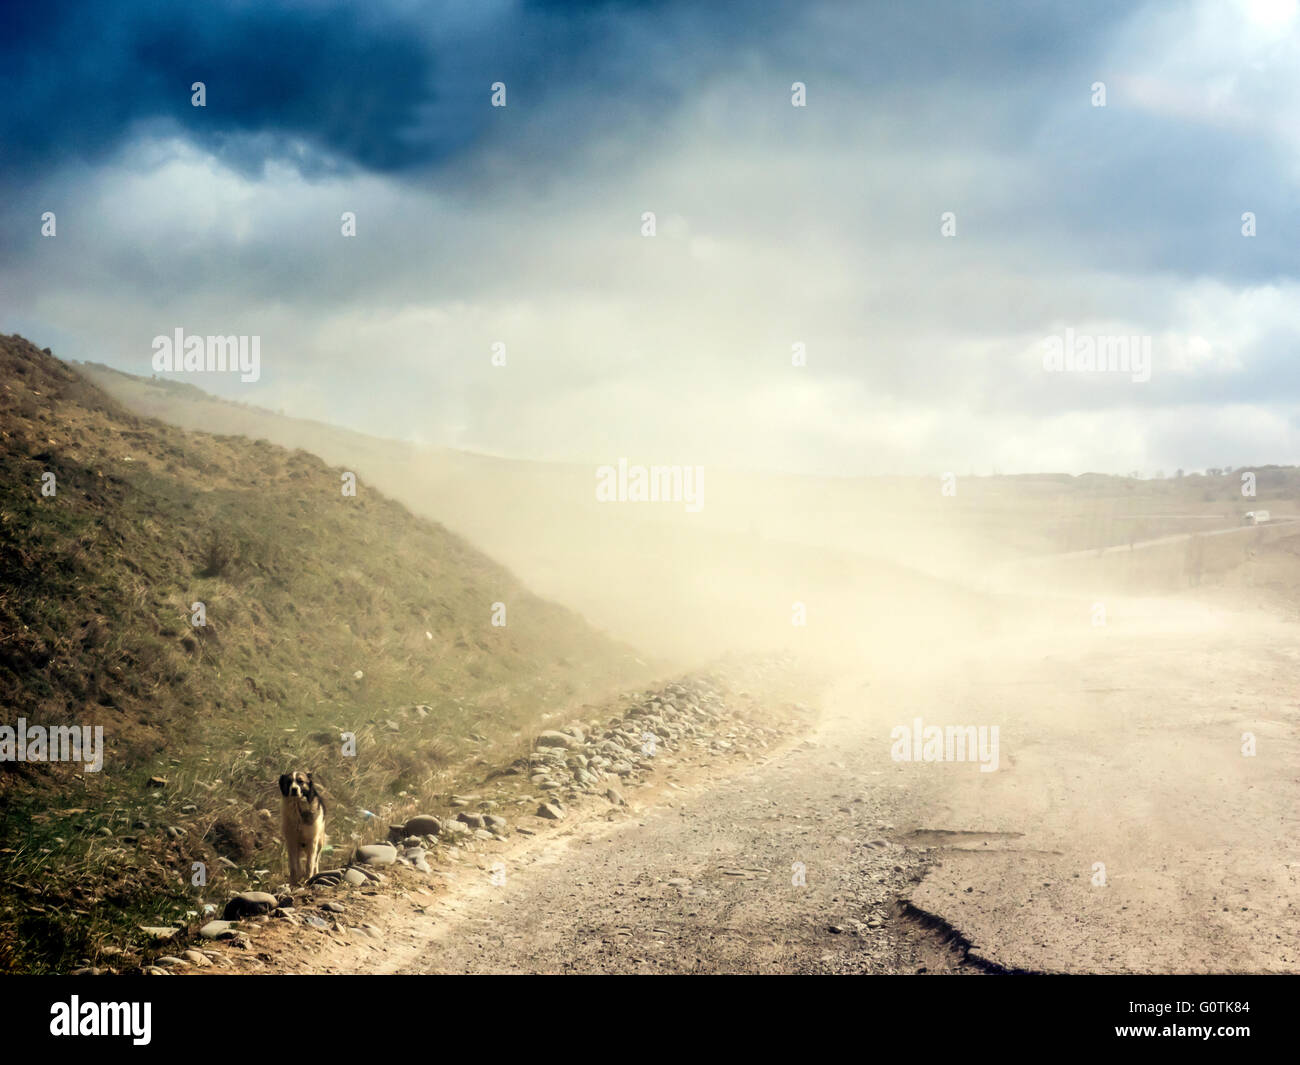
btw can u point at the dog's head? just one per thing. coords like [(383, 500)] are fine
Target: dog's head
[(299, 788)]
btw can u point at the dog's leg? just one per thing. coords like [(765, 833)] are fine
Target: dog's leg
[(295, 861), (314, 865)]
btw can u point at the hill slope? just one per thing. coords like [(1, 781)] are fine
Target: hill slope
[(692, 585), (687, 586), (324, 613)]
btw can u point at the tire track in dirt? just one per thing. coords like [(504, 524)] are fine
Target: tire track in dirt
[(706, 881)]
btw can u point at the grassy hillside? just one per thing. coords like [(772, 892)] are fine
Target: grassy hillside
[(687, 586), (541, 518), (324, 614)]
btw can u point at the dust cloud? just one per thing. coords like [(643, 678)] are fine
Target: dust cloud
[(1128, 639)]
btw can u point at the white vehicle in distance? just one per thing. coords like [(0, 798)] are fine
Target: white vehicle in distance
[(1256, 517)]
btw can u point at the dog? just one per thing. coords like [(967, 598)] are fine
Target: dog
[(302, 821)]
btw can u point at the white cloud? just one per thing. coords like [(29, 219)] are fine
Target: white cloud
[(774, 227)]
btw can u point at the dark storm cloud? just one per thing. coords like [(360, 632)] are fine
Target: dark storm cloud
[(776, 223), (383, 87), (396, 86), (83, 78)]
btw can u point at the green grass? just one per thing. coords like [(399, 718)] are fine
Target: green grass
[(302, 588)]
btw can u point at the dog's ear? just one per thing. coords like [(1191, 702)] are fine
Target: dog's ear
[(285, 781)]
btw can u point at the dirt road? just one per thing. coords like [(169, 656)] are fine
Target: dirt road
[(1123, 829)]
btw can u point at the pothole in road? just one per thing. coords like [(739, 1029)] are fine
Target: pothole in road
[(943, 948)]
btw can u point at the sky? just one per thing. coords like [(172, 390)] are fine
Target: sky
[(949, 197)]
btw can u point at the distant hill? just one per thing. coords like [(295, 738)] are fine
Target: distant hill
[(324, 613), (683, 586), (860, 552)]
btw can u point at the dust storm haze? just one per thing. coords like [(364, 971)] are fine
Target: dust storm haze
[(742, 489), (859, 559)]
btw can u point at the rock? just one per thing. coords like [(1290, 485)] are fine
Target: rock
[(615, 796), (197, 958), (552, 738), (170, 962), (551, 811), (473, 820), (376, 854), (316, 922), (327, 877), (355, 877), (158, 932), (495, 823), (217, 930), (249, 904), (156, 782), (423, 825), (332, 907)]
